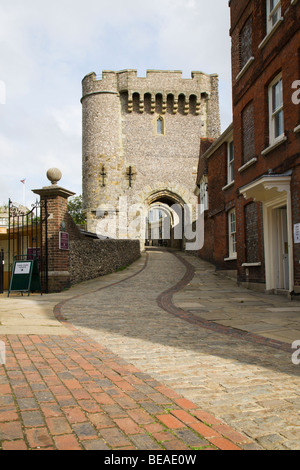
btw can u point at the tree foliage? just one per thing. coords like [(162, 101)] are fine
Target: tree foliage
[(75, 210), (4, 209)]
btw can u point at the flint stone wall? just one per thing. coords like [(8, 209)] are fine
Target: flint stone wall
[(91, 258)]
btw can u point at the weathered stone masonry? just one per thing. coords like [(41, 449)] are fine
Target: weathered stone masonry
[(91, 258), (147, 126)]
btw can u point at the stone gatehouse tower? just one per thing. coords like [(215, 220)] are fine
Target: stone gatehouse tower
[(141, 141)]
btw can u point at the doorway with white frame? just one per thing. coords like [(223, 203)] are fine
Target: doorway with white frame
[(274, 193)]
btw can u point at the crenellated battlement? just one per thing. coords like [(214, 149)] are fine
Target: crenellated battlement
[(158, 85)]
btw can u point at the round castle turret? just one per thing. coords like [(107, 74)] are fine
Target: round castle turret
[(141, 137)]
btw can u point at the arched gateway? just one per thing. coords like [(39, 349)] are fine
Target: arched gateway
[(141, 141), (165, 219)]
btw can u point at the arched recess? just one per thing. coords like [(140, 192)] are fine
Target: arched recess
[(164, 220)]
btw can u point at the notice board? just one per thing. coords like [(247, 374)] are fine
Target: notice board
[(25, 276), (63, 241)]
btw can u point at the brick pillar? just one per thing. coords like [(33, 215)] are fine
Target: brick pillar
[(57, 208)]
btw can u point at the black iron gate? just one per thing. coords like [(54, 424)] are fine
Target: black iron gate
[(27, 237)]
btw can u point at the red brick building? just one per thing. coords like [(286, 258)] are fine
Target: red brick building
[(252, 171)]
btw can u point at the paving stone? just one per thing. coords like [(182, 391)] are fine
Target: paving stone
[(27, 404), (97, 444), (271, 442), (114, 437), (67, 442), (58, 425), (191, 438), (32, 418), (85, 431), (10, 431), (38, 437), (145, 442)]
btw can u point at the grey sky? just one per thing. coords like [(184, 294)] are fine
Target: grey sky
[(46, 48)]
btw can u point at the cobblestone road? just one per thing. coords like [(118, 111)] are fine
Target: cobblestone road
[(246, 382), (165, 355)]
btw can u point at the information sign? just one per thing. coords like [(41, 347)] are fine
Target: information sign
[(63, 241), (22, 267), (297, 233), (25, 277)]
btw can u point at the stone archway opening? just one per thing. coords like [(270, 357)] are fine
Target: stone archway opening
[(164, 220)]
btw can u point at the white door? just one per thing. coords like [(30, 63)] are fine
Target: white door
[(282, 249)]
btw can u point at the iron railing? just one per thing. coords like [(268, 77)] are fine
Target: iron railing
[(27, 236)]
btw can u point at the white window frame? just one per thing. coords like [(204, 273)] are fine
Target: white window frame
[(275, 112), (273, 13), (232, 241), (230, 162)]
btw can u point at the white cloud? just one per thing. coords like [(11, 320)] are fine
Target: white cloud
[(68, 120)]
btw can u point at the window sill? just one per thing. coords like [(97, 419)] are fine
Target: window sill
[(248, 265), (246, 66), (247, 164), (275, 144), (270, 33), (231, 258), (297, 129), (229, 185)]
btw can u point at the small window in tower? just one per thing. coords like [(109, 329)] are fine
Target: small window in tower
[(160, 126)]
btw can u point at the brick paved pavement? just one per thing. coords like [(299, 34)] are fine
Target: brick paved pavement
[(145, 365), (70, 393), (243, 378)]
